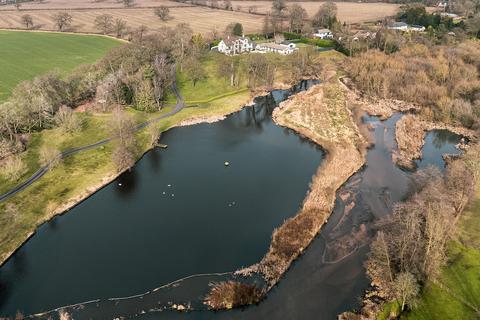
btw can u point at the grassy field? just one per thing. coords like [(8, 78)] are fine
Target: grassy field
[(24, 55), (457, 295)]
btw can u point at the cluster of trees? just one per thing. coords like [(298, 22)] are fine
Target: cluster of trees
[(294, 18), (417, 14), (443, 80), (261, 70), (139, 73), (410, 245)]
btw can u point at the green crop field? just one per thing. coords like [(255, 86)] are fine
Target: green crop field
[(24, 55)]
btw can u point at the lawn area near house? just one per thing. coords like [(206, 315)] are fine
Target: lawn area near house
[(24, 55), (458, 293)]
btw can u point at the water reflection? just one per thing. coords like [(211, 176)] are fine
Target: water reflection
[(179, 212)]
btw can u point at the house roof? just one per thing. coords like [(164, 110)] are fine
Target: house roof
[(324, 31), (232, 39), (274, 46), (399, 24)]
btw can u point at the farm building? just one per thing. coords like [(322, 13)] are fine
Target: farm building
[(284, 48), (398, 26), (323, 34), (416, 27), (235, 45)]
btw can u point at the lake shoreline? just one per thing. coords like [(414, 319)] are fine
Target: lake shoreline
[(345, 148), (109, 178)]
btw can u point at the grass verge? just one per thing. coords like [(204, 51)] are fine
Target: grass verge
[(457, 293)]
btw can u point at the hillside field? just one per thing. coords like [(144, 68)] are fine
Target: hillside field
[(202, 19), (350, 12), (24, 55)]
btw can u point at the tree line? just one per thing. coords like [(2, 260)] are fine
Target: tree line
[(410, 244), (444, 80)]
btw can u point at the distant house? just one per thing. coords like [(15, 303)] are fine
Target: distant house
[(283, 48), (442, 4), (235, 45), (323, 34), (398, 26), (416, 27), (364, 35)]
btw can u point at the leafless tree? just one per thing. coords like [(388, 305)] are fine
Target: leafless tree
[(121, 127), (104, 23), (62, 20), (27, 20), (119, 27), (128, 3), (406, 288), (163, 12)]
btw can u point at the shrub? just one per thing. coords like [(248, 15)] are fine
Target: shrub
[(231, 294)]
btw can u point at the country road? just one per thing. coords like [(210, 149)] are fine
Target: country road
[(64, 154)]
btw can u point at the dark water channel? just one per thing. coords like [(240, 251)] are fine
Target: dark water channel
[(179, 212), (126, 239)]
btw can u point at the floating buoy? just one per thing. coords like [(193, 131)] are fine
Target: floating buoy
[(120, 184), (227, 163), (163, 192)]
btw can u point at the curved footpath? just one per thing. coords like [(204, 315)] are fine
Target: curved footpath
[(40, 172)]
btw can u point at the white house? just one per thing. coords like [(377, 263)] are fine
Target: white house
[(284, 48), (416, 27), (398, 26), (323, 34), (235, 45)]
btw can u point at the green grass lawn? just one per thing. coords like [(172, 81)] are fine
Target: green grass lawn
[(459, 292), (24, 55)]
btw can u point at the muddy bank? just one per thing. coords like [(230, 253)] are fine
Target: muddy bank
[(410, 136), (321, 114)]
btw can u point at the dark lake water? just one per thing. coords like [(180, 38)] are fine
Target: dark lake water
[(131, 238), (179, 212)]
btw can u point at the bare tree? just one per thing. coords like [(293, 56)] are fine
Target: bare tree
[(128, 3), (66, 119), (13, 168), (49, 156), (121, 127), (104, 23), (27, 20), (296, 16), (326, 15), (119, 27), (62, 20), (181, 43), (406, 288), (194, 70), (163, 12)]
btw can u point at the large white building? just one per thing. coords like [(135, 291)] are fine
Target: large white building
[(283, 48), (323, 34), (398, 26), (235, 45)]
